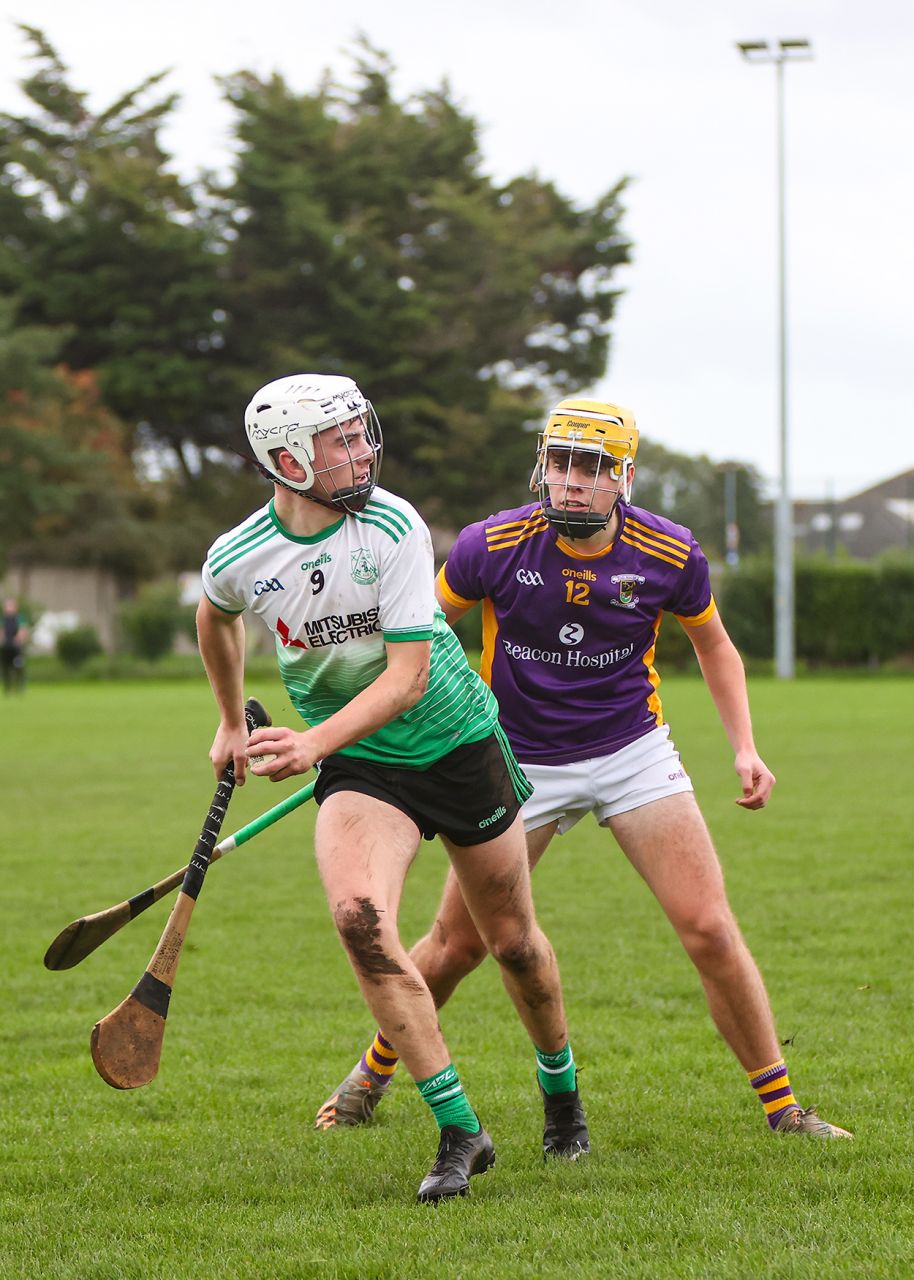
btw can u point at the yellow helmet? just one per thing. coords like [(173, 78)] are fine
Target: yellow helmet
[(593, 424), (588, 426)]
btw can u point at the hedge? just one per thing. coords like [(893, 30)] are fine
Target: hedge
[(848, 612)]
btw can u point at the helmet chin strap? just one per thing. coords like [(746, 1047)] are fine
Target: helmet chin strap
[(579, 524), (350, 500)]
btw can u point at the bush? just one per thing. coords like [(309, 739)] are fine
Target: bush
[(848, 612), (74, 648), (151, 622)]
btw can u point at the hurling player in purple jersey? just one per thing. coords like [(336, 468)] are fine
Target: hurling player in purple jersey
[(573, 588)]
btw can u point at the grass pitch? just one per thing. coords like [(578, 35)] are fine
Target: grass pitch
[(214, 1170)]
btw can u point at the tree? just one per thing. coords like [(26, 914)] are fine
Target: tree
[(102, 241), (690, 490), (68, 492), (363, 237)]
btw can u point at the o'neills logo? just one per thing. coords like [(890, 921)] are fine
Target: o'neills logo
[(493, 817), (323, 558)]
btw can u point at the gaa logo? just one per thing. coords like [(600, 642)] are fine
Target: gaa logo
[(261, 587), (573, 633), (529, 578)]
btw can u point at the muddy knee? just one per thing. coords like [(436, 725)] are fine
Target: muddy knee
[(518, 953), (358, 922)]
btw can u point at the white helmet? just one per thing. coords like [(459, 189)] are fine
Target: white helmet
[(289, 413)]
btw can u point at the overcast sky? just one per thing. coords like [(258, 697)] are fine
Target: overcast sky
[(586, 92)]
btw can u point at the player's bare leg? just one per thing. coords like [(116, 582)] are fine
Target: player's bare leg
[(364, 850), (669, 845), (453, 948), (494, 880)]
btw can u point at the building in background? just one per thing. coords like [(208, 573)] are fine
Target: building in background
[(865, 525)]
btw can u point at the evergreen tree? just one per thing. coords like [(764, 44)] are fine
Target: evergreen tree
[(102, 240), (364, 238)]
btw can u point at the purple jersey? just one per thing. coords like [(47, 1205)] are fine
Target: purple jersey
[(569, 639)]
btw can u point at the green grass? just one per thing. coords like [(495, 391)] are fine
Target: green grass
[(213, 1170)]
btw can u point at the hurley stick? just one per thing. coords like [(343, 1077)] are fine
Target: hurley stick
[(81, 937), (127, 1044)]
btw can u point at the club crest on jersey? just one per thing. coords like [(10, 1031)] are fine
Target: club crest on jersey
[(363, 568), (627, 583)]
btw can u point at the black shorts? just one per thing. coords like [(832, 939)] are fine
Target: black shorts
[(471, 795)]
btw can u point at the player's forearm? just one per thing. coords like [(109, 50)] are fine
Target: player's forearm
[(221, 645), (387, 697), (725, 676)]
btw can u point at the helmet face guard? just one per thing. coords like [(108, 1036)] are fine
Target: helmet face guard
[(311, 415), (588, 448)]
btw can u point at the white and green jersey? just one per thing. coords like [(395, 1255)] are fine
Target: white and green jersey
[(333, 600)]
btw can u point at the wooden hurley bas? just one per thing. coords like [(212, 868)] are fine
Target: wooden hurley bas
[(127, 1044)]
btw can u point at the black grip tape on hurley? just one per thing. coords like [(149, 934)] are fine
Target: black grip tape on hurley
[(256, 718)]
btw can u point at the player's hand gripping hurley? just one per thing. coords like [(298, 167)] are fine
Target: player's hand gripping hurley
[(127, 1044)]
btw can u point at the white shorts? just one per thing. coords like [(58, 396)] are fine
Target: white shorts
[(646, 770)]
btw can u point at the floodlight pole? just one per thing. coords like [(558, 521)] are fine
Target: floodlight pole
[(784, 606)]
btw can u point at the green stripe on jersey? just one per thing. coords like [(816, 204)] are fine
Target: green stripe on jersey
[(250, 529), (384, 509), (235, 613), (220, 562), (382, 522), (407, 633)]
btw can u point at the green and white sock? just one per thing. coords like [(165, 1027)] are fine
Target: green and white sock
[(556, 1071), (444, 1094)]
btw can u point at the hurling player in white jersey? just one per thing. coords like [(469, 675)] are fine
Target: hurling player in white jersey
[(573, 588), (404, 733)]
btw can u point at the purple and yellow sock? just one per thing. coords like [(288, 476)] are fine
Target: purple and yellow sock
[(380, 1060), (773, 1088)]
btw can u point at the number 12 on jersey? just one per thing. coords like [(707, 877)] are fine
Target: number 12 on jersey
[(577, 592)]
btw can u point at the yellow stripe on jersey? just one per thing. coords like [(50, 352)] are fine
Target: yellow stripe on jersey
[(680, 564), (514, 524), (499, 541), (489, 637), (459, 602), (698, 619), (648, 540), (653, 701), (675, 543)]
